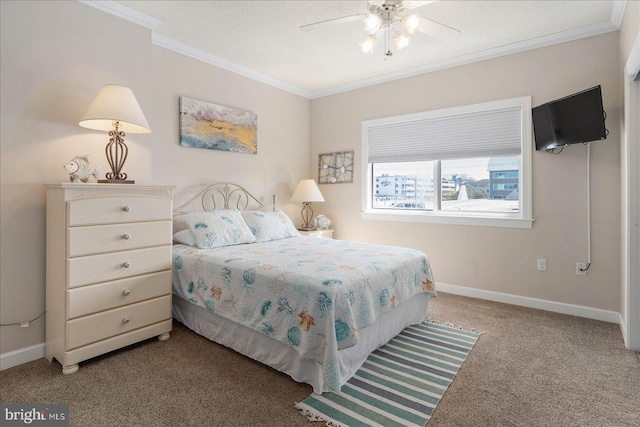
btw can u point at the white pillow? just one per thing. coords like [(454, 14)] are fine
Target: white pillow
[(185, 237), (269, 225), (218, 228)]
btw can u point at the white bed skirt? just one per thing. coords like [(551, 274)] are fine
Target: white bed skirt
[(284, 358)]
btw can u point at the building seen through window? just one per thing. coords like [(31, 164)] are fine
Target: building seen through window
[(479, 184)]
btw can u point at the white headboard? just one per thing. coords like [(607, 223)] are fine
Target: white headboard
[(219, 196)]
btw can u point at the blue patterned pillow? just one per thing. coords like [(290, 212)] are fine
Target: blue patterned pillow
[(270, 225), (218, 228)]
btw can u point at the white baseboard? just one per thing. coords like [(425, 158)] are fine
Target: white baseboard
[(541, 304), (22, 355), (623, 330)]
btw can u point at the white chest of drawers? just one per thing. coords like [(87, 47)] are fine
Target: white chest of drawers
[(108, 268)]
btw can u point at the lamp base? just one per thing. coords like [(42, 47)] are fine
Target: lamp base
[(303, 228), (116, 181)]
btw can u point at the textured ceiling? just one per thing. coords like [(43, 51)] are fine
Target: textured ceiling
[(263, 37)]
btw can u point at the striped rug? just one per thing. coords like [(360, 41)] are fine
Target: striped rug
[(400, 383)]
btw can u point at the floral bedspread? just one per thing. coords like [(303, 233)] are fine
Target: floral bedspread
[(309, 293)]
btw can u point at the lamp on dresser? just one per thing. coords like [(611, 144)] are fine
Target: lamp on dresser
[(116, 110), (307, 192)]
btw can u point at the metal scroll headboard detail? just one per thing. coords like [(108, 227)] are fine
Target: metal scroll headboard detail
[(223, 195)]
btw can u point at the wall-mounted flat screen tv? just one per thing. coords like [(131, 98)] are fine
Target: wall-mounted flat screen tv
[(576, 118)]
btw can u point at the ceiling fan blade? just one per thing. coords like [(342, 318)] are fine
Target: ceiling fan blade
[(407, 4), (437, 30), (333, 21)]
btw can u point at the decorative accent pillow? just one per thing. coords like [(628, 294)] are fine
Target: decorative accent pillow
[(270, 225), (218, 228), (185, 237)]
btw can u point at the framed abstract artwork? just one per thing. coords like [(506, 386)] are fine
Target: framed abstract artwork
[(335, 168), (215, 127)]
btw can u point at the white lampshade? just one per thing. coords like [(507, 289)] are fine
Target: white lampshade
[(307, 191), (115, 104)]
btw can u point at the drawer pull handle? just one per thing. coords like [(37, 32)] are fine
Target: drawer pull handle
[(125, 320), (127, 209), (126, 292), (126, 236), (126, 264)]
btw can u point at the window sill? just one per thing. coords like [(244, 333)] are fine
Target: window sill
[(448, 218)]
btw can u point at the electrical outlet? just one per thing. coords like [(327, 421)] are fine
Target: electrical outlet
[(542, 265), (581, 268)]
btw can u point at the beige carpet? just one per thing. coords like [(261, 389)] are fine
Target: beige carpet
[(529, 368)]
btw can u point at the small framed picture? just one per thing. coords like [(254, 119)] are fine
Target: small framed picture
[(335, 168)]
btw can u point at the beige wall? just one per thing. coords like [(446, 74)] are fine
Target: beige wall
[(283, 131), (55, 56), (499, 259)]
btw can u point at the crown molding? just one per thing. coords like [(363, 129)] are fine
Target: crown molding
[(617, 12), (124, 12), (510, 49), (200, 55), (150, 22)]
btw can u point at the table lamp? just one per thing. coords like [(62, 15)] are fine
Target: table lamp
[(307, 192), (116, 110)]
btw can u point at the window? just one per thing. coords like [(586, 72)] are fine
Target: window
[(503, 175), (463, 165), (413, 185), (505, 186)]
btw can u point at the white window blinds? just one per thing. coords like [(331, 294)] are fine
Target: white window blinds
[(482, 133)]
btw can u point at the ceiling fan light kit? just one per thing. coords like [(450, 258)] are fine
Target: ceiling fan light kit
[(411, 22), (384, 22), (401, 40), (368, 44), (372, 23)]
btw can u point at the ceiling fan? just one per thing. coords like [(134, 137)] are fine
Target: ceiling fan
[(386, 22)]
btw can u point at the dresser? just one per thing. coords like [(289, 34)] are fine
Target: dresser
[(108, 268)]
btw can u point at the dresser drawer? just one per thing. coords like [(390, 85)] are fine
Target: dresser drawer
[(104, 296), (108, 210), (106, 267), (99, 326), (118, 237), (113, 343)]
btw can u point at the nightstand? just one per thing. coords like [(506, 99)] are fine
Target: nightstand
[(321, 233), (108, 268)]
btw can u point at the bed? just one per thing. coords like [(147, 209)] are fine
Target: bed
[(309, 307)]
